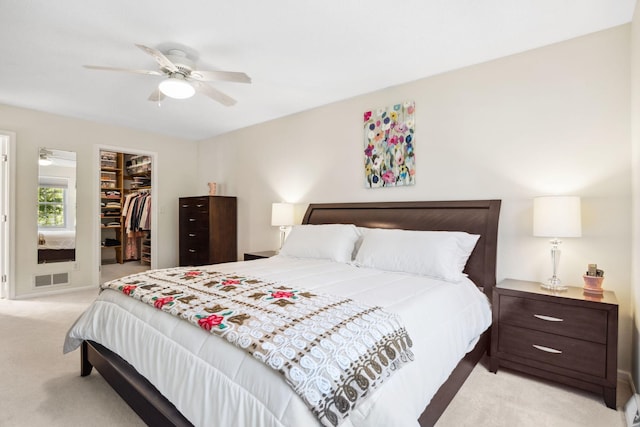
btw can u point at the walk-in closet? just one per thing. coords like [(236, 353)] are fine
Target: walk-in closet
[(125, 213)]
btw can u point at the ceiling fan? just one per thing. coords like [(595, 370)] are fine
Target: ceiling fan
[(182, 80)]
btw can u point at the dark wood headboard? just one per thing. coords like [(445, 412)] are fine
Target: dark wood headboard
[(473, 216)]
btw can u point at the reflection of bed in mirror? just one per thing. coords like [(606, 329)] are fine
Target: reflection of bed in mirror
[(56, 246)]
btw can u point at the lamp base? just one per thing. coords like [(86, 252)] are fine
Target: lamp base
[(554, 284), (283, 230)]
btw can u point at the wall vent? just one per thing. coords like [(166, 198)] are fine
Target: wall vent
[(51, 279)]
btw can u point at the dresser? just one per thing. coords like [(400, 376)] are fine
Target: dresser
[(569, 336), (208, 230)]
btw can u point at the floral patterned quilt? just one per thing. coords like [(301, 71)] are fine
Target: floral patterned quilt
[(332, 351)]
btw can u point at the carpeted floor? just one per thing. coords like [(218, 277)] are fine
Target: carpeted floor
[(39, 386), (113, 271), (510, 399)]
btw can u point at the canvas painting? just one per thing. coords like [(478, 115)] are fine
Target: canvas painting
[(389, 158)]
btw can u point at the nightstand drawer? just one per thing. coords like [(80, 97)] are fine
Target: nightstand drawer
[(564, 352), (570, 321)]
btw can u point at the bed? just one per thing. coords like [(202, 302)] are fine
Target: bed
[(56, 246), (475, 217)]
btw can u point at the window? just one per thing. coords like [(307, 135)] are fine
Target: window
[(52, 202)]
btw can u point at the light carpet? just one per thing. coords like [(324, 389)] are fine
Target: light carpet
[(39, 386), (510, 399)]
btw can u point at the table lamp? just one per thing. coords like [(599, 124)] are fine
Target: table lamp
[(555, 217)]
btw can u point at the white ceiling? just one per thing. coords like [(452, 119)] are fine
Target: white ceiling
[(300, 54)]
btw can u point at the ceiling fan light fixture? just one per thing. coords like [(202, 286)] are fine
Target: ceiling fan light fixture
[(176, 87)]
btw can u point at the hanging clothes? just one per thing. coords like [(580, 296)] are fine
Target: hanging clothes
[(136, 211)]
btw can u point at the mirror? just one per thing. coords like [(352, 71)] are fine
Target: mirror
[(56, 206)]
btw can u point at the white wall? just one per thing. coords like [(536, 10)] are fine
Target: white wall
[(553, 120), (34, 129)]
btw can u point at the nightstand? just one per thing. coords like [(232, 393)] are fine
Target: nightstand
[(567, 336), (250, 256)]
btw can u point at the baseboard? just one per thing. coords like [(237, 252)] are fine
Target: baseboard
[(626, 377), (55, 292)]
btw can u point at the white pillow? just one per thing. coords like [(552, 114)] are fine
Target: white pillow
[(326, 241), (439, 254)]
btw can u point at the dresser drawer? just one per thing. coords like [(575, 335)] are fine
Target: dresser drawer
[(200, 214), (194, 203), (195, 238), (564, 352), (193, 223), (570, 321), (194, 256), (194, 212)]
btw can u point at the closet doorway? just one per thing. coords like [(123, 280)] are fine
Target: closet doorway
[(127, 212)]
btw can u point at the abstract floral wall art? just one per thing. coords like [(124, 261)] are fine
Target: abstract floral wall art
[(389, 158)]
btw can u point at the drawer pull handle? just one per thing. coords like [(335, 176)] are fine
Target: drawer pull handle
[(548, 318), (191, 219), (185, 206), (192, 250), (199, 206), (192, 234), (547, 349)]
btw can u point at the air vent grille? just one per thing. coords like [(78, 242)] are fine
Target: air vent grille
[(51, 279)]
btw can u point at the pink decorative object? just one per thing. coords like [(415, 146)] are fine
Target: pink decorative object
[(593, 284), (212, 188)]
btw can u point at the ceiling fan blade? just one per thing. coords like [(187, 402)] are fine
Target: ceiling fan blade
[(156, 95), (212, 93), (162, 60), (230, 76), (128, 70)]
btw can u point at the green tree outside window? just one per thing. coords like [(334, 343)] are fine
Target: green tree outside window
[(51, 207)]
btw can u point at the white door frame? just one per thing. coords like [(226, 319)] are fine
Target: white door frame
[(7, 213), (154, 203)]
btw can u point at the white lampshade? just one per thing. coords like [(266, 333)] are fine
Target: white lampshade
[(557, 216), (282, 214), (177, 87)]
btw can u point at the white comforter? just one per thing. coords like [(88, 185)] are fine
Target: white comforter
[(56, 239), (215, 383)]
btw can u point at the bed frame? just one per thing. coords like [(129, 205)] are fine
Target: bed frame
[(473, 216), (56, 255)]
